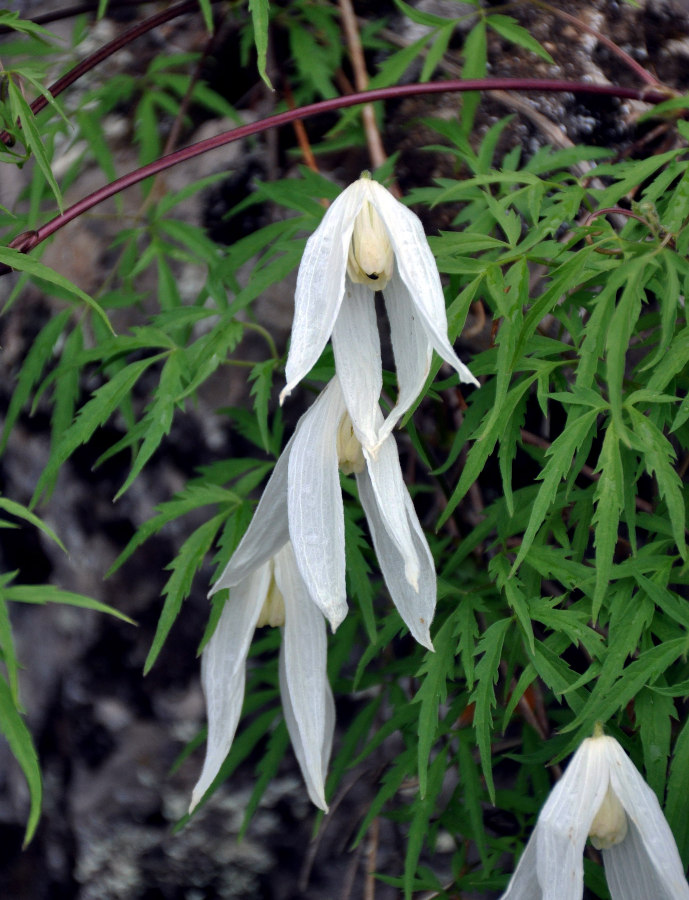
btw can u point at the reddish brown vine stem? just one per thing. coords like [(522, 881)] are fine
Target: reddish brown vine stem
[(28, 242), (105, 51)]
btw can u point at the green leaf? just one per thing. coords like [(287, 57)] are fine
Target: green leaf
[(654, 712), (262, 377), (421, 17), (20, 109), (658, 455), (36, 360), (609, 500), (93, 414), (266, 768), (184, 567), (22, 747), (23, 262), (509, 29), (677, 793), (7, 651), (437, 669), (158, 419), (483, 695), (259, 10), (436, 51), (48, 593), (559, 454), (21, 512), (207, 13)]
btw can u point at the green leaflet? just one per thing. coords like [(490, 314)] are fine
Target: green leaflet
[(487, 671), (18, 737)]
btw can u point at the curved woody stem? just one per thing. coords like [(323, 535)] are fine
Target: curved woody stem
[(28, 240)]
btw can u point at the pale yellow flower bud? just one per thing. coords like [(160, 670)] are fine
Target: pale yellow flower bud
[(370, 259), (350, 456), (609, 826), (273, 609)]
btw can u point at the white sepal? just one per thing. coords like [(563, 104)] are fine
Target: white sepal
[(651, 843), (306, 695), (390, 492), (268, 531), (314, 502), (418, 270), (415, 606), (320, 285), (411, 348), (356, 346), (223, 666)]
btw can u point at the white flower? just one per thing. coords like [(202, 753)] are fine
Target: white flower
[(302, 502), (369, 241), (273, 593), (601, 796)]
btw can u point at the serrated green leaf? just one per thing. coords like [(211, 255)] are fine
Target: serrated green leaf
[(23, 262), (159, 415), (262, 377), (36, 360), (559, 464), (677, 793), (423, 811), (22, 747), (654, 713), (609, 500), (184, 567), (94, 413), (658, 453), (483, 695), (20, 109), (266, 768), (436, 670)]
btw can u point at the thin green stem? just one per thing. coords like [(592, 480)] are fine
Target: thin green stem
[(259, 329)]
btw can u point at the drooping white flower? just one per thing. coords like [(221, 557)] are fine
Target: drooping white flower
[(602, 796), (273, 593), (302, 502), (369, 241)]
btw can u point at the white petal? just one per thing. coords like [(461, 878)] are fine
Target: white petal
[(524, 883), (657, 859), (223, 666), (390, 493), (411, 348), (416, 607), (419, 272), (306, 695), (320, 285), (316, 514), (267, 532), (565, 821), (356, 345), (632, 875)]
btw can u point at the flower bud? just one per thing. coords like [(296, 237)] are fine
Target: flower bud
[(273, 609), (370, 257), (609, 826), (350, 456)]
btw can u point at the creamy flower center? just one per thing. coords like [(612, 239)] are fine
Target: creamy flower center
[(609, 826), (273, 609), (370, 257), (350, 456)]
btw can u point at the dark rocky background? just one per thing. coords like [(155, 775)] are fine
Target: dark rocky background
[(106, 736)]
